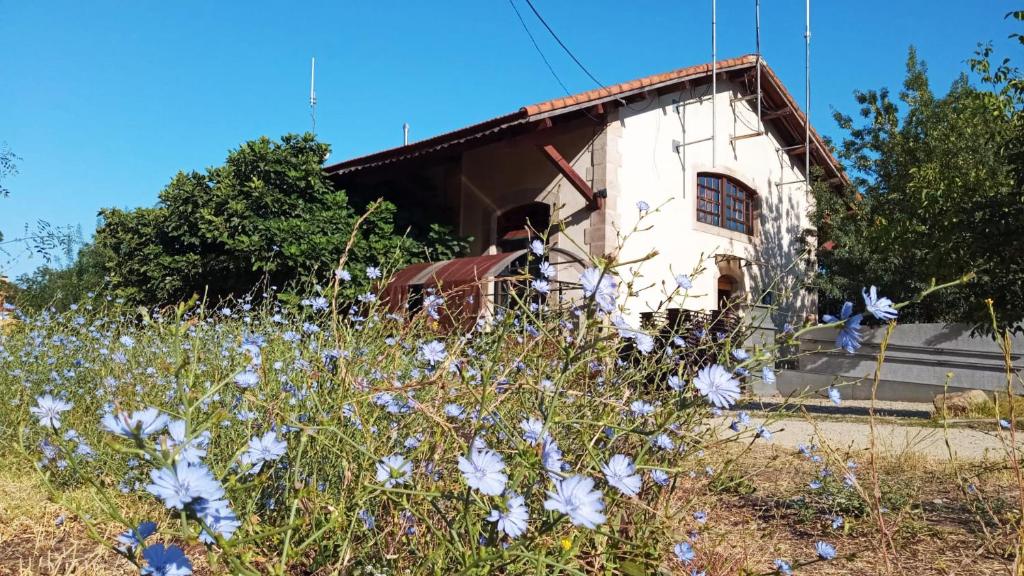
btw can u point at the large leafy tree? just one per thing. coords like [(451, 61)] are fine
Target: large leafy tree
[(937, 194), (267, 214), (62, 286)]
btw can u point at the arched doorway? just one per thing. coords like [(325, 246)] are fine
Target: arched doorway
[(728, 290), (517, 224)]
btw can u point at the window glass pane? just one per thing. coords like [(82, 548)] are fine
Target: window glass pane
[(725, 203)]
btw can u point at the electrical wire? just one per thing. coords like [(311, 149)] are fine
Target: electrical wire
[(537, 47), (562, 44)]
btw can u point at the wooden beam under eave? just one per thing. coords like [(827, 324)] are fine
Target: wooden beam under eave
[(777, 114), (570, 174)]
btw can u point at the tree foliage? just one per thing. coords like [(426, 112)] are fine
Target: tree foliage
[(937, 193), (62, 286), (269, 213)]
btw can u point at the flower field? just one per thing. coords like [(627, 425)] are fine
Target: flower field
[(256, 437)]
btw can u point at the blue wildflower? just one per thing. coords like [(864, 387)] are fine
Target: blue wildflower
[(318, 303), (135, 537), (717, 385), (513, 521), (601, 286), (782, 567), (547, 270), (533, 431), (576, 498), (189, 451), (247, 378), (537, 247), (453, 410), (620, 473), (484, 471), (165, 561), (540, 285), (394, 469), (684, 282), (262, 449), (659, 477), (676, 383), (551, 457), (48, 410), (849, 336), (369, 521), (433, 352), (644, 342), (179, 486), (641, 408), (684, 552), (372, 272), (825, 550), (218, 516), (880, 308), (834, 395), (140, 423), (663, 442)]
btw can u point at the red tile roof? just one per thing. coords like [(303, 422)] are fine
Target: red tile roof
[(770, 83)]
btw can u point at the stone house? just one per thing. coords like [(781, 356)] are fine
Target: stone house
[(723, 171)]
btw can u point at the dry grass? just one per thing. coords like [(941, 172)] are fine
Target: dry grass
[(751, 522), (38, 536), (936, 528)]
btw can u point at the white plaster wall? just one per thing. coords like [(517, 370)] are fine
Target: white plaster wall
[(653, 171)]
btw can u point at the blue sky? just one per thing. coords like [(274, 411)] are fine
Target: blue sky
[(105, 101)]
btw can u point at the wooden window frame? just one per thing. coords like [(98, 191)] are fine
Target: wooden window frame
[(724, 202)]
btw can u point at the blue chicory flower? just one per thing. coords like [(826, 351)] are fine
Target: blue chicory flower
[(484, 471), (576, 498), (165, 561), (620, 473), (513, 521), (717, 385)]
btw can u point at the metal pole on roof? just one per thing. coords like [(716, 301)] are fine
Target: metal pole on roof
[(807, 94), (405, 134), (757, 45), (714, 84), (312, 92)]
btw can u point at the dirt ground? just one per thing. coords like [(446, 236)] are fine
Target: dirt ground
[(934, 527), (764, 512)]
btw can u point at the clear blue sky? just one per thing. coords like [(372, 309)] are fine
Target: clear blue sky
[(105, 101)]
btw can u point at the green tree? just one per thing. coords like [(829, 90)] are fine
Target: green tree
[(267, 214), (937, 193), (61, 287)]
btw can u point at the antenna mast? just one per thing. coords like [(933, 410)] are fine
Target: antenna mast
[(757, 44), (312, 92), (714, 83), (807, 95)]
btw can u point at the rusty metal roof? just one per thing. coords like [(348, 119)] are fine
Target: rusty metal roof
[(567, 104)]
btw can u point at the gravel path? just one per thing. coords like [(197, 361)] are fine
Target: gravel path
[(892, 438)]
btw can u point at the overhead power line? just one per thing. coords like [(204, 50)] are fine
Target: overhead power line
[(537, 47), (562, 44)]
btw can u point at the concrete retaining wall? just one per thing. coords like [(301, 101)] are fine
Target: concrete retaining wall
[(918, 360)]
